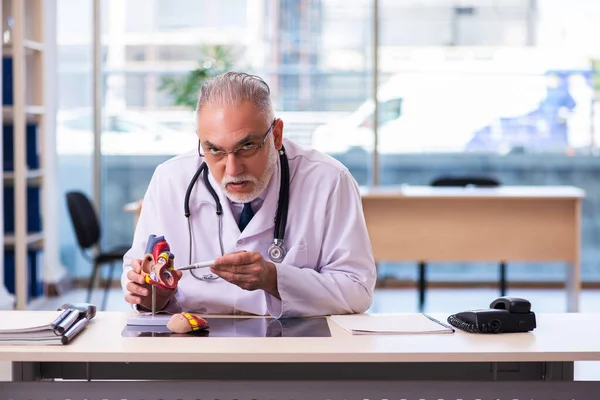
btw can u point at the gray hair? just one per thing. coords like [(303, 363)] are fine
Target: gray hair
[(233, 88)]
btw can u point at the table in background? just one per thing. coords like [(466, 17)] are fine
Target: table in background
[(508, 223), (134, 207)]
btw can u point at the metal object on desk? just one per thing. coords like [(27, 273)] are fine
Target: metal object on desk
[(74, 330), (153, 300), (62, 329), (86, 310)]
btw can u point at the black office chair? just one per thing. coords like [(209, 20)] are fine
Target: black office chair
[(87, 229), (463, 181)]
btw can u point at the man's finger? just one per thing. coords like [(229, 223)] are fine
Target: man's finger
[(229, 258), (134, 288), (137, 266), (226, 275), (135, 277), (246, 282), (132, 299), (234, 259), (236, 269)]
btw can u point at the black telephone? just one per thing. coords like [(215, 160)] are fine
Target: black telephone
[(506, 314)]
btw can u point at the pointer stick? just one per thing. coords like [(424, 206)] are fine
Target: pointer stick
[(202, 264)]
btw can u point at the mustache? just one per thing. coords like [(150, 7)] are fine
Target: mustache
[(238, 179)]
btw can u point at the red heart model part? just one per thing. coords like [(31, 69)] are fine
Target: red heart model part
[(159, 265), (167, 278), (160, 247)]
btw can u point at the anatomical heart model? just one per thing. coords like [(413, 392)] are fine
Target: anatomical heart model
[(186, 322), (158, 264), (159, 271)]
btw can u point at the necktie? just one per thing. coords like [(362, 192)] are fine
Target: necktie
[(246, 216)]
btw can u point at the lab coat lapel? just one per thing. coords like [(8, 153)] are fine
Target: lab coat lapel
[(264, 218)]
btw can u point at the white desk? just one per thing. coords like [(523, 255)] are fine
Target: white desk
[(510, 223), (341, 361)]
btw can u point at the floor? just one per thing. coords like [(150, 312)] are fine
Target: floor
[(401, 300)]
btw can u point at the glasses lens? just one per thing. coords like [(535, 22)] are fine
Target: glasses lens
[(242, 152), (246, 152)]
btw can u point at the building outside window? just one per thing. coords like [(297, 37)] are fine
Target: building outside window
[(505, 89)]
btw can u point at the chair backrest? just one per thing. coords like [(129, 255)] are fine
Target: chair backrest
[(84, 219), (463, 181)]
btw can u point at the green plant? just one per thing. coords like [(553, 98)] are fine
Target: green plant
[(184, 90)]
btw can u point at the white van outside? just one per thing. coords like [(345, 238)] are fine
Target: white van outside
[(432, 112)]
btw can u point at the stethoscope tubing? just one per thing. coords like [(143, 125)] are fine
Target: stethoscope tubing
[(277, 251)]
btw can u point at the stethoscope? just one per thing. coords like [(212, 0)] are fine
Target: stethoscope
[(277, 250)]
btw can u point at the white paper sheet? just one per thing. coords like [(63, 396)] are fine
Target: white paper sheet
[(390, 324)]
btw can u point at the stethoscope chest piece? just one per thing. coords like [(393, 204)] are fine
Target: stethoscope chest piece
[(277, 251)]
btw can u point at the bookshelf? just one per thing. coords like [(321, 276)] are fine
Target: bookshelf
[(28, 156), (5, 298)]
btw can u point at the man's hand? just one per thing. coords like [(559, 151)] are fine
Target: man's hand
[(140, 292), (248, 270)]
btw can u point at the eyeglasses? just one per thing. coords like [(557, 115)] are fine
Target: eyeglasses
[(246, 150)]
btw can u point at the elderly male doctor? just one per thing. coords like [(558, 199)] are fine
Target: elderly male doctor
[(328, 267)]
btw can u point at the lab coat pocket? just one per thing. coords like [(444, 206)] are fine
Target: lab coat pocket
[(297, 255)]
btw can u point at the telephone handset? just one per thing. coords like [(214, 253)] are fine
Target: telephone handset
[(506, 314)]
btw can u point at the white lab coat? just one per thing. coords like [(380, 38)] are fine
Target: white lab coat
[(329, 267)]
